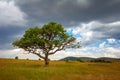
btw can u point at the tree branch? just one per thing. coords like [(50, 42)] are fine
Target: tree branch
[(61, 47), (39, 55), (33, 50)]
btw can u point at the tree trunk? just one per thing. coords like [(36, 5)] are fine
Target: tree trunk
[(46, 60)]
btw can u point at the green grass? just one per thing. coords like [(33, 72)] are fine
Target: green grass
[(34, 70)]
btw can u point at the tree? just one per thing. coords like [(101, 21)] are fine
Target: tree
[(16, 57), (67, 60), (45, 41)]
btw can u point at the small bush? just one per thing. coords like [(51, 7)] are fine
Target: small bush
[(16, 57), (79, 60), (100, 60), (39, 59), (67, 60), (27, 59)]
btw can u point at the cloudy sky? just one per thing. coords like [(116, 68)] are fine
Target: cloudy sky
[(96, 23)]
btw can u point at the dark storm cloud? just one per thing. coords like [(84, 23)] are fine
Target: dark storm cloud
[(70, 10), (108, 30), (101, 19), (8, 35), (66, 12)]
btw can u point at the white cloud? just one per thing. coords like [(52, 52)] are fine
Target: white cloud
[(10, 14), (8, 53), (16, 52), (101, 52), (83, 52), (102, 45), (113, 52), (87, 36), (94, 31), (111, 40), (117, 23)]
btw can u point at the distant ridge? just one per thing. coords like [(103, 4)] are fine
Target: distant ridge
[(109, 59), (90, 59)]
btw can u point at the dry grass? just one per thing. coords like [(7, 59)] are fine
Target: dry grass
[(58, 70)]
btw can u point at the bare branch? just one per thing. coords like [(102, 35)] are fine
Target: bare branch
[(39, 55)]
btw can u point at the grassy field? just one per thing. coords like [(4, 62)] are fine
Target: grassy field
[(34, 70)]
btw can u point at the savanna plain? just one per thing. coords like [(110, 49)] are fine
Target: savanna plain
[(11, 69)]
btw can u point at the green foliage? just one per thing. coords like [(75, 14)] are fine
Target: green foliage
[(51, 35), (49, 39), (27, 59), (16, 57), (79, 60), (100, 60), (67, 60), (39, 59)]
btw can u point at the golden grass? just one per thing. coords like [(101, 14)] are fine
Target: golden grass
[(58, 70)]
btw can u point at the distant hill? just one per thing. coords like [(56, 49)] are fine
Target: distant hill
[(70, 58), (74, 58), (109, 59), (91, 59)]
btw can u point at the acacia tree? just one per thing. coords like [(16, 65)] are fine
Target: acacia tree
[(45, 41)]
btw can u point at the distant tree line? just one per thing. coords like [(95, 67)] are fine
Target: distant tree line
[(100, 60), (93, 60), (77, 59)]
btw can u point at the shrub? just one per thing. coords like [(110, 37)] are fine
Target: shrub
[(67, 60), (16, 57), (39, 59), (100, 60), (79, 60), (27, 59)]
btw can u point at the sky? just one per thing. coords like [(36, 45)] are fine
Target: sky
[(96, 23)]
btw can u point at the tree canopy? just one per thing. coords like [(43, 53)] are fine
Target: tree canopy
[(47, 40)]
